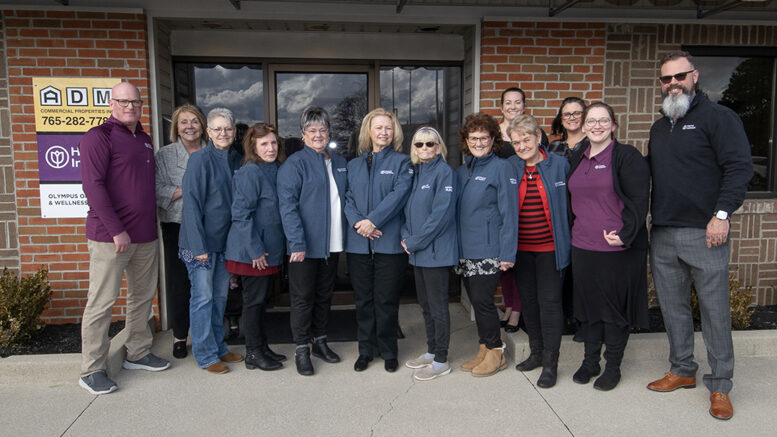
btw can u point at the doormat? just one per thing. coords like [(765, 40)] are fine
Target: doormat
[(342, 327)]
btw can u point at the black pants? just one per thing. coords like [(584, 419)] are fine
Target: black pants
[(481, 290), (540, 286), (255, 292), (176, 282), (311, 283), (376, 280), (431, 284), (614, 338)]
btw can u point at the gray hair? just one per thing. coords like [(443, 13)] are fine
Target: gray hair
[(314, 115), (221, 112)]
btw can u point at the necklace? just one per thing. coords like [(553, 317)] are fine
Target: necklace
[(531, 173)]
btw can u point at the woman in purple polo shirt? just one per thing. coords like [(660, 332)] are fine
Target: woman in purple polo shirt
[(609, 187)]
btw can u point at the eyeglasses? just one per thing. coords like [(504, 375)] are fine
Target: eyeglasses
[(124, 102), (475, 140), (666, 80), (427, 144), (322, 131), (571, 115), (220, 130), (604, 122)]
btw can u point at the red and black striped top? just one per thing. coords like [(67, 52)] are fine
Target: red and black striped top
[(534, 229)]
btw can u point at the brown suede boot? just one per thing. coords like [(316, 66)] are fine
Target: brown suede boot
[(471, 364), (492, 363)]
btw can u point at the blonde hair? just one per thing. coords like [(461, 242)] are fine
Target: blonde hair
[(425, 134), (524, 124), (187, 107), (365, 142)]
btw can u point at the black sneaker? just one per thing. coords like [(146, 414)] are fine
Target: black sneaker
[(98, 383)]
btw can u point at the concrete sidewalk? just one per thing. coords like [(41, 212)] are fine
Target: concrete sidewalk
[(39, 395)]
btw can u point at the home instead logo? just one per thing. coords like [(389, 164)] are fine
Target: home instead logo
[(57, 157)]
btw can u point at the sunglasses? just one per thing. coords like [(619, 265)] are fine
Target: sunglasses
[(666, 80), (427, 144)]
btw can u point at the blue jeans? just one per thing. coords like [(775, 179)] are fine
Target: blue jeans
[(678, 256), (210, 282)]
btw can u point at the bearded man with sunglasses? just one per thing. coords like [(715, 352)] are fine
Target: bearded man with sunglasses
[(117, 169), (701, 164)]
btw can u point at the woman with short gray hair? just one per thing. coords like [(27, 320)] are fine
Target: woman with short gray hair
[(207, 202), (311, 193)]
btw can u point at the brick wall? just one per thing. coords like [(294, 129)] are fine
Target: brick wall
[(548, 60), (617, 63), (9, 242), (63, 44)]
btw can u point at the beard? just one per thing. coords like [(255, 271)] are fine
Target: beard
[(676, 105)]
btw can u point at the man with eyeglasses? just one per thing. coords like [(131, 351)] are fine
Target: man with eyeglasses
[(117, 168), (700, 163)]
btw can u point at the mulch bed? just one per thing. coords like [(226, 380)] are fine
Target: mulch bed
[(59, 339), (56, 339)]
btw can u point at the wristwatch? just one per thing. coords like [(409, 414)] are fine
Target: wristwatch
[(721, 215)]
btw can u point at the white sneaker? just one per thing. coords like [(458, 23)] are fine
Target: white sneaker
[(421, 361), (428, 372)]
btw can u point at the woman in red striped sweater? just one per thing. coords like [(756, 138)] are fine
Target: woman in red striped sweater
[(543, 244)]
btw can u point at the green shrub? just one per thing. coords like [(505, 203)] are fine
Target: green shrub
[(21, 304), (740, 301)]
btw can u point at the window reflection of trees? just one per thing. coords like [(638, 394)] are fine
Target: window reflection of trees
[(343, 95), (745, 87)]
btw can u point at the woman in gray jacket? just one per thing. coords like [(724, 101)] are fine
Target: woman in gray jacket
[(187, 135)]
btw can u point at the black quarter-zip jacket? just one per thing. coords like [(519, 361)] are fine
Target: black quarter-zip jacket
[(699, 165)]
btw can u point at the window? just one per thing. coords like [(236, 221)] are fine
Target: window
[(745, 84), (343, 95), (237, 87), (424, 96)]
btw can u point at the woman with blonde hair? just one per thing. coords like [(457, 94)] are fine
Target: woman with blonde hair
[(187, 135), (379, 182), (429, 238)]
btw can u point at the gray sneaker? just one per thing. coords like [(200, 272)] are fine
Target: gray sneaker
[(98, 383), (149, 362), (427, 372), (417, 363)]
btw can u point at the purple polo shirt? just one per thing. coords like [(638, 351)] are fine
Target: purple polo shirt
[(117, 172), (595, 203)]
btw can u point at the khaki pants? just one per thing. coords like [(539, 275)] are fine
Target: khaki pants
[(106, 267)]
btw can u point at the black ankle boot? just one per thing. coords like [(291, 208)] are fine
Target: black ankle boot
[(302, 360), (590, 366), (549, 370), (255, 358), (531, 363), (609, 379), (322, 350), (265, 349)]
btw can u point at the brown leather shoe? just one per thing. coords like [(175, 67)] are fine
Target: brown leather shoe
[(231, 357), (720, 406), (218, 368), (671, 382)]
